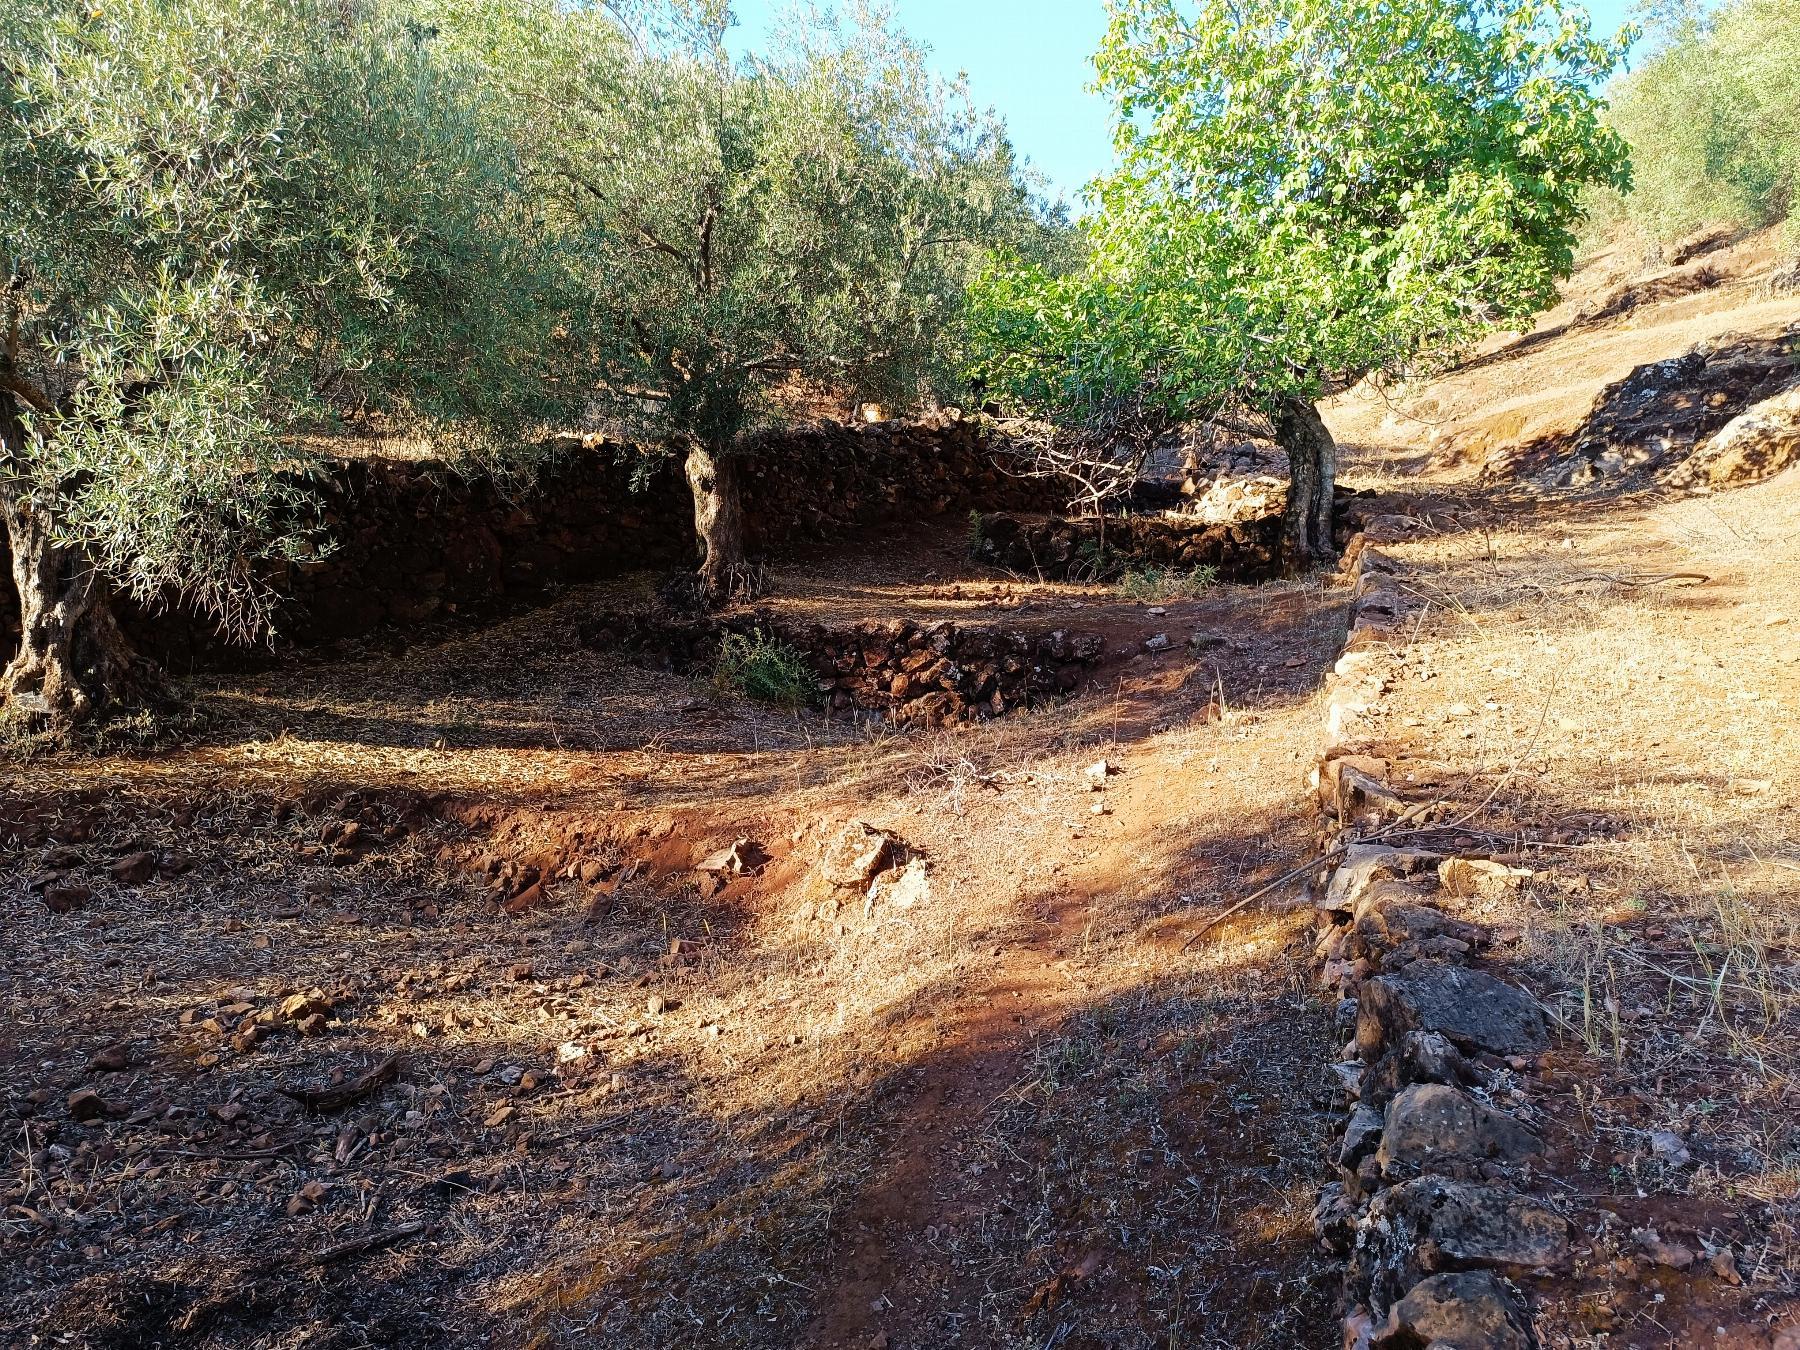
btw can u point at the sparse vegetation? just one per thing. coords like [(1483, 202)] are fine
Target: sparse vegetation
[(1151, 584), (761, 666), (967, 945)]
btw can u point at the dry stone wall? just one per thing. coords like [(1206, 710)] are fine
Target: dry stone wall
[(1061, 548), (929, 673), (1439, 1208), (417, 545)]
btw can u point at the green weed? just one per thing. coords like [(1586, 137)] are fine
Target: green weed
[(762, 667), (1167, 583)]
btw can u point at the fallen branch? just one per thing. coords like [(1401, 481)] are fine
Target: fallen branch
[(368, 1242), (233, 1155), (336, 1098), (1698, 578), (1254, 896)]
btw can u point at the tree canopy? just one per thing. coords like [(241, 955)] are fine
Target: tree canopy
[(1308, 191), (1713, 119), (231, 223), (759, 231)]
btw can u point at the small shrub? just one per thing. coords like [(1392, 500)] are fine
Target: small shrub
[(978, 544), (762, 667), (1094, 562), (1167, 583)]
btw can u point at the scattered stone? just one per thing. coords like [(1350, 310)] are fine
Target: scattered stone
[(1671, 1254), (1668, 1147), (1097, 774), (858, 854), (905, 889), (133, 868), (1478, 877), (112, 1059), (1158, 643), (1471, 1311), (299, 1007), (64, 899), (1430, 1125), (86, 1104), (1724, 1265), (740, 858), (307, 1198), (498, 1117)]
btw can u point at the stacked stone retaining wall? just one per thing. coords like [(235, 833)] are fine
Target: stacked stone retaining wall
[(417, 545)]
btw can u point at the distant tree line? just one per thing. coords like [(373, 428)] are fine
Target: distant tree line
[(1713, 119)]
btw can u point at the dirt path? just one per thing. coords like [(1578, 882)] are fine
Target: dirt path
[(963, 1235)]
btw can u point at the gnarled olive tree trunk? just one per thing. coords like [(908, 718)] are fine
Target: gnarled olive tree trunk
[(73, 661), (1312, 467), (719, 522)]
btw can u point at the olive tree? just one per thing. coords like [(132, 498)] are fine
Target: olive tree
[(232, 226), (764, 230), (1309, 191)]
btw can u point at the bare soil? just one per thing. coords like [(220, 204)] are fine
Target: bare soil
[(391, 1005), (661, 1105)]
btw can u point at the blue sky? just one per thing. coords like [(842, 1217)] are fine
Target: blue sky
[(1029, 60)]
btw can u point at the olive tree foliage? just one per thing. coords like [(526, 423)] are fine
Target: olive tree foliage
[(1309, 191), (762, 230), (1713, 119), (230, 225)]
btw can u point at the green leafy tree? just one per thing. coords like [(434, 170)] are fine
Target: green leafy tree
[(761, 232), (232, 225), (1310, 191)]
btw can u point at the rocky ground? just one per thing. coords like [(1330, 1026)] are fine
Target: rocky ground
[(507, 990), (510, 991), (1580, 735)]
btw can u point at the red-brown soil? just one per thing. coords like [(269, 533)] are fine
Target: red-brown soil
[(635, 1101)]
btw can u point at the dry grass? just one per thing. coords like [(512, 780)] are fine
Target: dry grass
[(836, 1118), (1610, 700)]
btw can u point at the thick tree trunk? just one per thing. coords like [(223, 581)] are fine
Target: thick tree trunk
[(73, 663), (1312, 460), (719, 522)]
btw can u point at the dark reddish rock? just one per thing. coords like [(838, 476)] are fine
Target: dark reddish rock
[(1471, 1009), (1429, 1226), (133, 868), (64, 899), (1469, 1311)]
